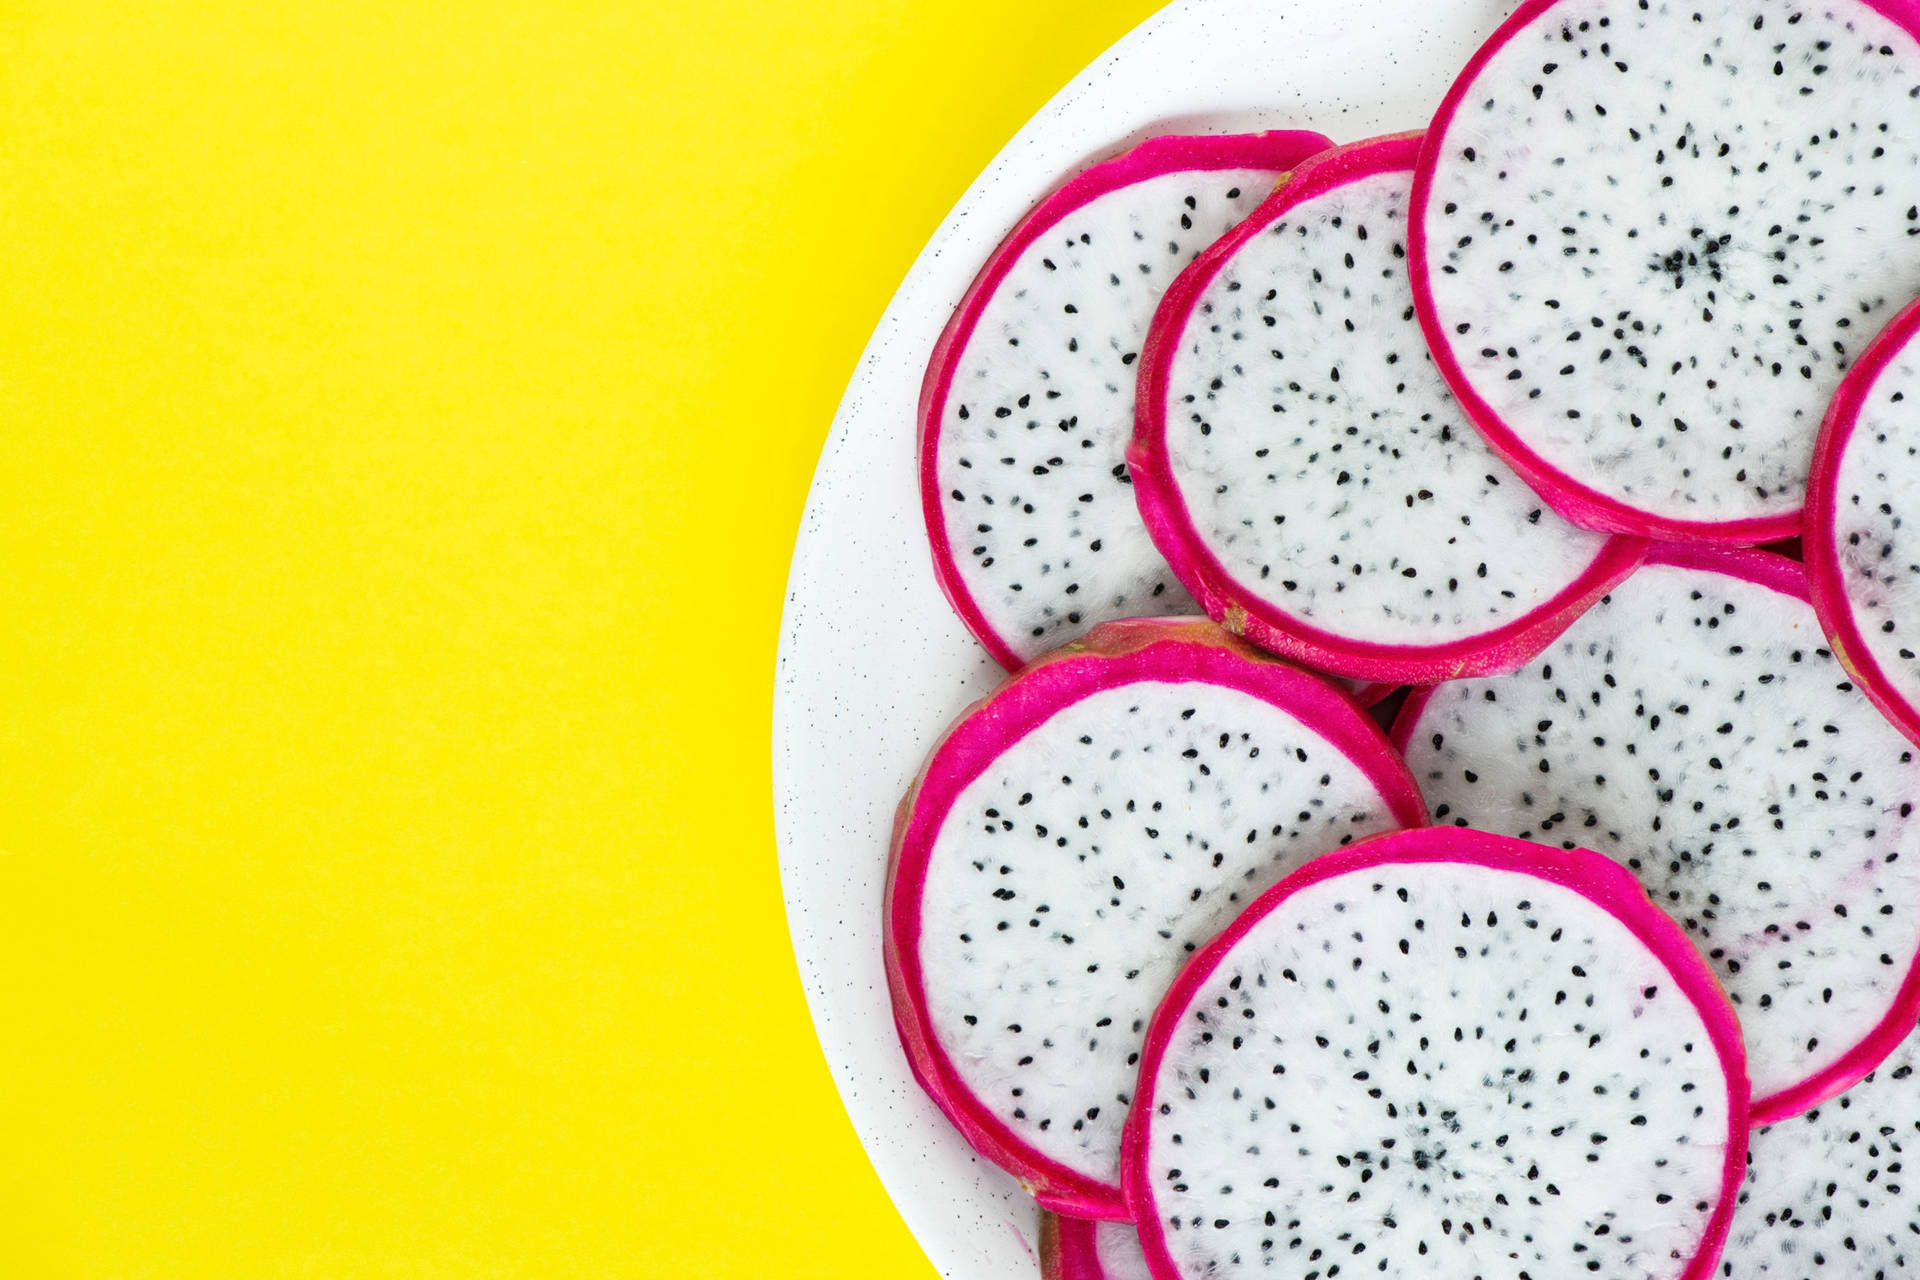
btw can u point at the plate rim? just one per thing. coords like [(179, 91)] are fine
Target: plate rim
[(1333, 100)]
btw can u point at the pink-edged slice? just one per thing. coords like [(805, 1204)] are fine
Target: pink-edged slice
[(1695, 727), (1306, 473), (1071, 840), (1441, 1053), (1863, 563), (1649, 238), (1028, 399), (1079, 1249)]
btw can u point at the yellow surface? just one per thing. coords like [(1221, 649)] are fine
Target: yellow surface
[(408, 409)]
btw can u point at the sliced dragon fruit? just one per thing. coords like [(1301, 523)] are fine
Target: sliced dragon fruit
[(1648, 239), (1694, 727), (1079, 1249), (1305, 471), (1827, 1193), (1028, 400), (1862, 563), (1441, 1053), (1072, 838)]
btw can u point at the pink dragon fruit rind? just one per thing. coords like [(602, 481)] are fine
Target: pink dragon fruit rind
[(1111, 655), (1577, 502), (1854, 1067), (1080, 1249), (1277, 149), (1243, 611), (1597, 878), (1821, 537), (1775, 572), (1067, 1249)]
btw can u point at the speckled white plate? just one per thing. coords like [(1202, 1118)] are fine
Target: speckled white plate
[(872, 661)]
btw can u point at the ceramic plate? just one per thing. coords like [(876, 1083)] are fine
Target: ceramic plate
[(873, 663)]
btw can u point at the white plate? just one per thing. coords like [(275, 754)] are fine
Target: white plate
[(872, 661)]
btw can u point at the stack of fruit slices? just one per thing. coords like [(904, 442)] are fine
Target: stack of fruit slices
[(1509, 874)]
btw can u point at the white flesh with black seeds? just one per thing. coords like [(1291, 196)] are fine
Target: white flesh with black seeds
[(1032, 469), (1438, 1071), (1659, 235), (1071, 879), (1877, 489), (1694, 727), (1827, 1195), (1321, 456)]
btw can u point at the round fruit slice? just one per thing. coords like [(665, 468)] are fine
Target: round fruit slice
[(1441, 1053), (1028, 400), (1304, 469), (1863, 564), (1069, 842), (1694, 727), (1648, 239)]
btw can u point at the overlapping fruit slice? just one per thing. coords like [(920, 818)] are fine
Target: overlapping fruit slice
[(1307, 474), (1441, 1053), (1863, 562), (1649, 238), (1028, 400), (1829, 1193), (1695, 727), (1071, 840)]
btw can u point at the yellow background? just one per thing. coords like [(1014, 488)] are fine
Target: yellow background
[(408, 410)]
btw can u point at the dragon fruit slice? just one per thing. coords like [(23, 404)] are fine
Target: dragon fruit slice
[(1694, 727), (1028, 400), (1079, 1249), (1305, 471), (1072, 838), (1862, 564), (1648, 239), (1445, 1054), (1825, 1192)]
